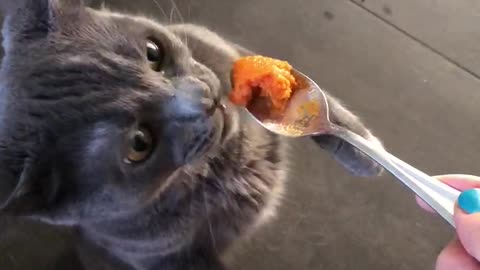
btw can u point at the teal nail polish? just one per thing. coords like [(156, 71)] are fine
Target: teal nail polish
[(469, 201)]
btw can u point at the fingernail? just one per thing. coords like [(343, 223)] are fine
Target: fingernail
[(469, 201)]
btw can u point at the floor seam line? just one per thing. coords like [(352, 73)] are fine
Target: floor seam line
[(419, 41)]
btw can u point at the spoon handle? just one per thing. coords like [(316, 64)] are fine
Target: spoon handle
[(439, 196)]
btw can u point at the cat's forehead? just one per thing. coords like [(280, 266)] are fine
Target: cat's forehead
[(95, 66), (91, 44), (83, 31), (100, 31), (118, 29)]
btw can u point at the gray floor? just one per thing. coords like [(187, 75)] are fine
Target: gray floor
[(409, 68)]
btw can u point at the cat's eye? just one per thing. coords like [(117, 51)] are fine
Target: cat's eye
[(155, 55), (140, 145)]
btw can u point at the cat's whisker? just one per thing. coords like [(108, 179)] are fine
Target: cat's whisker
[(225, 193), (161, 9), (175, 8), (218, 180), (210, 228), (182, 19), (171, 20)]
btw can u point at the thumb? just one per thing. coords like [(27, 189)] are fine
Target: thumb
[(467, 221)]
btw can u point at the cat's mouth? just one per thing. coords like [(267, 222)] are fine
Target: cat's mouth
[(227, 119), (213, 105), (222, 113)]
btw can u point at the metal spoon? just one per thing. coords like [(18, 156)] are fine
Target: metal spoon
[(307, 115)]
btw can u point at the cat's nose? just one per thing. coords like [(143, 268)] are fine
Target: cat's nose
[(197, 93), (189, 127)]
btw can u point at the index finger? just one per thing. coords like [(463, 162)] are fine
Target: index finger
[(461, 182)]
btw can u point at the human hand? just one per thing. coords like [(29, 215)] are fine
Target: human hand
[(463, 253)]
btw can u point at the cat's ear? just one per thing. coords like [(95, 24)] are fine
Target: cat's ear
[(31, 18)]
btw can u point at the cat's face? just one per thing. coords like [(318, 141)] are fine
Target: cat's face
[(98, 111)]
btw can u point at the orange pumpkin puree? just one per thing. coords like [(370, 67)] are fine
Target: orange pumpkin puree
[(259, 76)]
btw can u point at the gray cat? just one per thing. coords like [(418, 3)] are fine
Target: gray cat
[(119, 127)]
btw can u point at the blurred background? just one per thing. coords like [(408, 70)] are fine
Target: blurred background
[(409, 68)]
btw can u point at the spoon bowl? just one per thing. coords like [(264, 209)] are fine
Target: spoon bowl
[(307, 114)]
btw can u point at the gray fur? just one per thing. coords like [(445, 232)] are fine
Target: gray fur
[(75, 80)]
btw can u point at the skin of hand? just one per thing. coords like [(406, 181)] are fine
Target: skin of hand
[(462, 253)]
